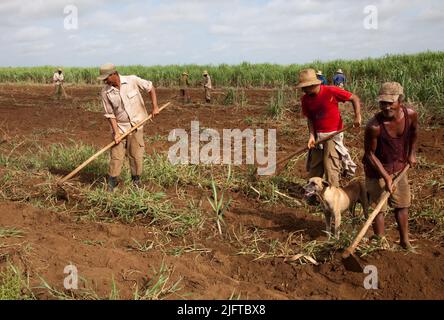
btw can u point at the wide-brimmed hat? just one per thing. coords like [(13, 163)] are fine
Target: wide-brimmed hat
[(205, 73), (319, 73), (184, 73), (390, 92), (59, 69), (106, 70), (307, 77), (339, 71)]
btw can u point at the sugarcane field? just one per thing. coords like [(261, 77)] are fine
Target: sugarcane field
[(140, 167)]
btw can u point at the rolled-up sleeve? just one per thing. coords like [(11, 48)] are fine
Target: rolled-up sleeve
[(109, 113), (144, 84)]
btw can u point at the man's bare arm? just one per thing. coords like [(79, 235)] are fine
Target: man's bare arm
[(115, 128), (312, 135), (357, 108), (153, 97)]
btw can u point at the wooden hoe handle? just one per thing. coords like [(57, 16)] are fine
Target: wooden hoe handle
[(385, 195), (301, 150)]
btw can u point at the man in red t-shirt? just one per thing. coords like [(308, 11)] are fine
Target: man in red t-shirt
[(320, 106)]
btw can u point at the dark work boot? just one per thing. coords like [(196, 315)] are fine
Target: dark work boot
[(136, 181), (112, 183)]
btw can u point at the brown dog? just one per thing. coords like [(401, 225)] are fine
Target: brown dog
[(336, 201)]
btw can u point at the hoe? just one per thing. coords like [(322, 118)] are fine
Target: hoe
[(350, 261), (304, 149)]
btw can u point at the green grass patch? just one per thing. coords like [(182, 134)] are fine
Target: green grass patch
[(159, 285), (10, 232), (159, 169), (13, 285), (67, 158), (133, 204), (277, 106), (235, 96)]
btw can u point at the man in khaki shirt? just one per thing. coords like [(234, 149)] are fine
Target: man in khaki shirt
[(207, 86), (184, 84), (124, 108), (58, 79)]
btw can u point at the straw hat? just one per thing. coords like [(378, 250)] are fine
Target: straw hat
[(390, 92), (339, 71), (307, 77), (184, 73), (319, 73), (205, 73)]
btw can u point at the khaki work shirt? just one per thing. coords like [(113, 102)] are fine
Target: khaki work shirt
[(207, 82), (126, 105), (183, 82), (58, 78)]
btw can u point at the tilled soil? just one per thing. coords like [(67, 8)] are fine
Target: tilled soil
[(102, 251)]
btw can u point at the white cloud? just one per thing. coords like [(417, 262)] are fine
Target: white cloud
[(198, 31), (431, 15), (93, 45), (33, 33), (32, 49), (40, 9), (223, 30)]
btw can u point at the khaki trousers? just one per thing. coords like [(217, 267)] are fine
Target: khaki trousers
[(134, 146), (326, 162), (184, 94), (59, 90), (207, 94)]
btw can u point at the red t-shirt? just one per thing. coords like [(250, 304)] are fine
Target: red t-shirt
[(323, 110)]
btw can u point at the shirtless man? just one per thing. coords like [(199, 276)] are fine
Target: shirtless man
[(390, 144)]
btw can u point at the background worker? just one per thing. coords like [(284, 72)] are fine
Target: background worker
[(207, 86), (390, 144), (339, 79), (184, 85), (58, 80), (320, 106), (124, 108), (321, 77)]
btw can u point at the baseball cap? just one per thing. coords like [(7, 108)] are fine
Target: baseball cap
[(390, 92)]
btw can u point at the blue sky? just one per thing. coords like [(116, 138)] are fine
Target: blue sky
[(32, 32)]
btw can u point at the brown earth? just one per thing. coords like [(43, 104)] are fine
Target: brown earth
[(102, 250)]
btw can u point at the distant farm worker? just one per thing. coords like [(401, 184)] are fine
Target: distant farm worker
[(207, 86), (184, 85), (321, 77), (58, 80), (339, 79), (124, 108), (320, 106), (390, 144)]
